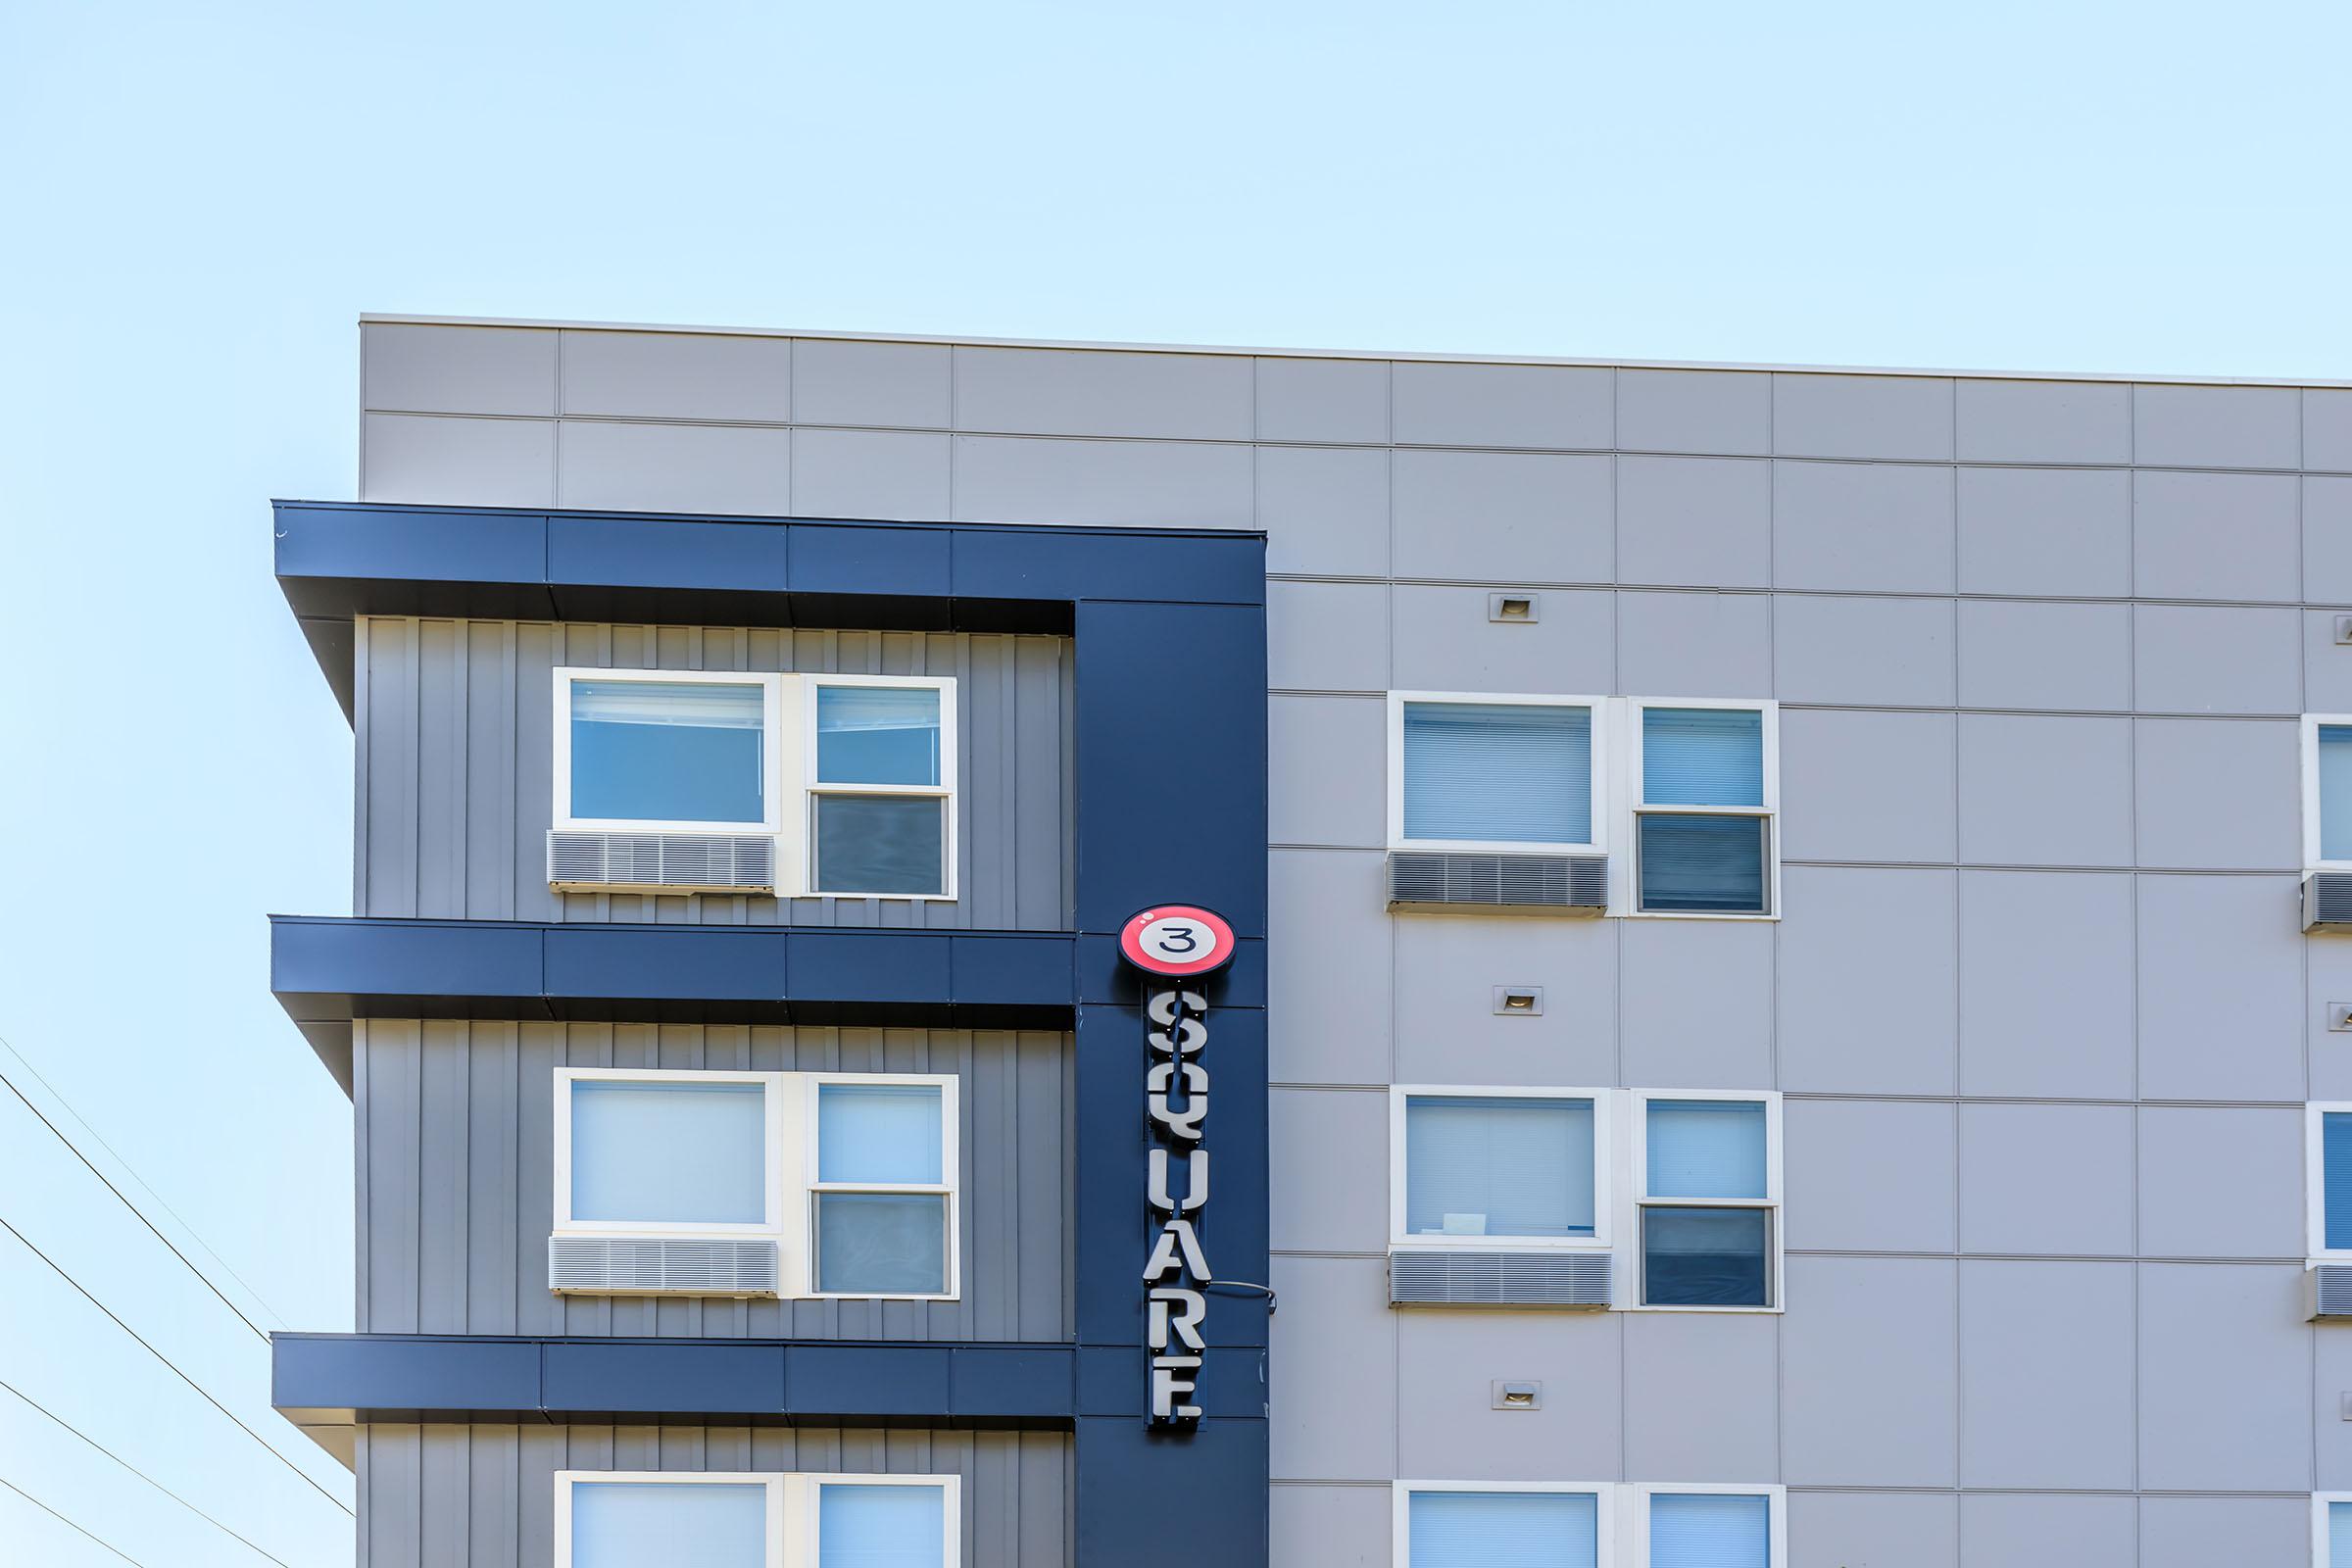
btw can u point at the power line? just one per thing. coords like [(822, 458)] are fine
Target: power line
[(142, 1181), (168, 1361), (136, 1471), (68, 1523)]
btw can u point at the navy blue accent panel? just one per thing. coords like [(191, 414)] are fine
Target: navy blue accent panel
[(658, 1377), (614, 961), (860, 558), (423, 1376), (417, 544), (485, 958), (1105, 976), (841, 964), (1151, 1498), (1171, 762), (1138, 564), (623, 552), (1232, 1382)]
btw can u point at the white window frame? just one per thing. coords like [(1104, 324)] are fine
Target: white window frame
[(811, 791), (2314, 1184), (1596, 707), (790, 1153), (1625, 870), (1604, 1494), (1638, 1498), (2312, 826), (1637, 1198), (771, 734), (1603, 1209), (794, 1505)]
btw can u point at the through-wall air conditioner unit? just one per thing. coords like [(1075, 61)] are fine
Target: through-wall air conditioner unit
[(1446, 1277), (1537, 884), (2327, 901), (635, 1265), (2329, 1286), (661, 862)]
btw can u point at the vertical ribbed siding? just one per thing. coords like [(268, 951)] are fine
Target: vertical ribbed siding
[(456, 1154), (456, 759), (483, 1496)]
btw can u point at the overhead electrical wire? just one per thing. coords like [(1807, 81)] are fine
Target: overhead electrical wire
[(68, 1523)]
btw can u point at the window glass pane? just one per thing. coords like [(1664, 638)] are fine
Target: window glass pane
[(1712, 863), (667, 750), (877, 735), (878, 1133), (1706, 1148), (627, 1524), (882, 1244), (1706, 1258), (2335, 792), (875, 843), (1505, 1530), (1493, 771), (1702, 757), (881, 1526), (1498, 1166), (1690, 1531), (2339, 1534), (652, 1151), (2335, 1177)]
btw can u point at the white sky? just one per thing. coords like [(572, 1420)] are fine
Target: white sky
[(200, 200)]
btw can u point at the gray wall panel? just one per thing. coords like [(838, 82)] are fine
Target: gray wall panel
[(483, 1496), (455, 1150), (456, 736)]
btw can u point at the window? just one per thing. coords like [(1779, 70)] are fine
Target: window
[(1453, 1524), (2328, 1166), (854, 774), (851, 1174), (1509, 774), (623, 1519), (2332, 1529), (1708, 1171), (1504, 1167), (1705, 791), (2327, 791), (1709, 1526)]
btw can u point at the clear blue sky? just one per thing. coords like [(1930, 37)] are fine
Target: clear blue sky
[(200, 200)]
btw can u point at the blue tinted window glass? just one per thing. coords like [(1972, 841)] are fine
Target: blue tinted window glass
[(1706, 1258), (1705, 1148), (881, 844), (1702, 757), (882, 1244), (2335, 792), (1704, 864), (1691, 1530), (667, 752), (654, 1151), (878, 1133), (628, 1524), (1497, 1165), (2335, 1177), (1505, 1530), (1502, 773), (881, 1526), (877, 735)]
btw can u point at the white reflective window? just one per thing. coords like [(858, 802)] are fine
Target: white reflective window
[(1498, 1166), (669, 1152), (627, 1524)]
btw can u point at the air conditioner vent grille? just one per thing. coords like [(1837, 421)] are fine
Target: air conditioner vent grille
[(2331, 1291), (1576, 883), (1449, 1278), (727, 862), (2328, 900), (616, 1265)]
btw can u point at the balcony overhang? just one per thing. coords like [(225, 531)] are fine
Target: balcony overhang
[(339, 559)]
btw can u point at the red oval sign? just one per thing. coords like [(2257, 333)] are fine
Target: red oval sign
[(1177, 939)]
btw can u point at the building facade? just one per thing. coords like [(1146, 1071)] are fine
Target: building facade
[(1775, 997)]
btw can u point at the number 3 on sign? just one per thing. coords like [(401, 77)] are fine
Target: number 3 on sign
[(1177, 939)]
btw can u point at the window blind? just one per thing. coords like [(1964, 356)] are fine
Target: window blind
[(879, 1526), (1705, 1256), (1704, 862), (1702, 757), (665, 751), (878, 1133), (1499, 772), (2335, 792), (877, 735), (2339, 1534), (2335, 1177), (1691, 1529), (711, 705), (627, 1524), (1505, 1530), (1498, 1166), (1706, 1148), (655, 1151)]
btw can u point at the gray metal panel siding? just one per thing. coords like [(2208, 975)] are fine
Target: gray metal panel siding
[(483, 1496), (456, 1156), (456, 760)]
